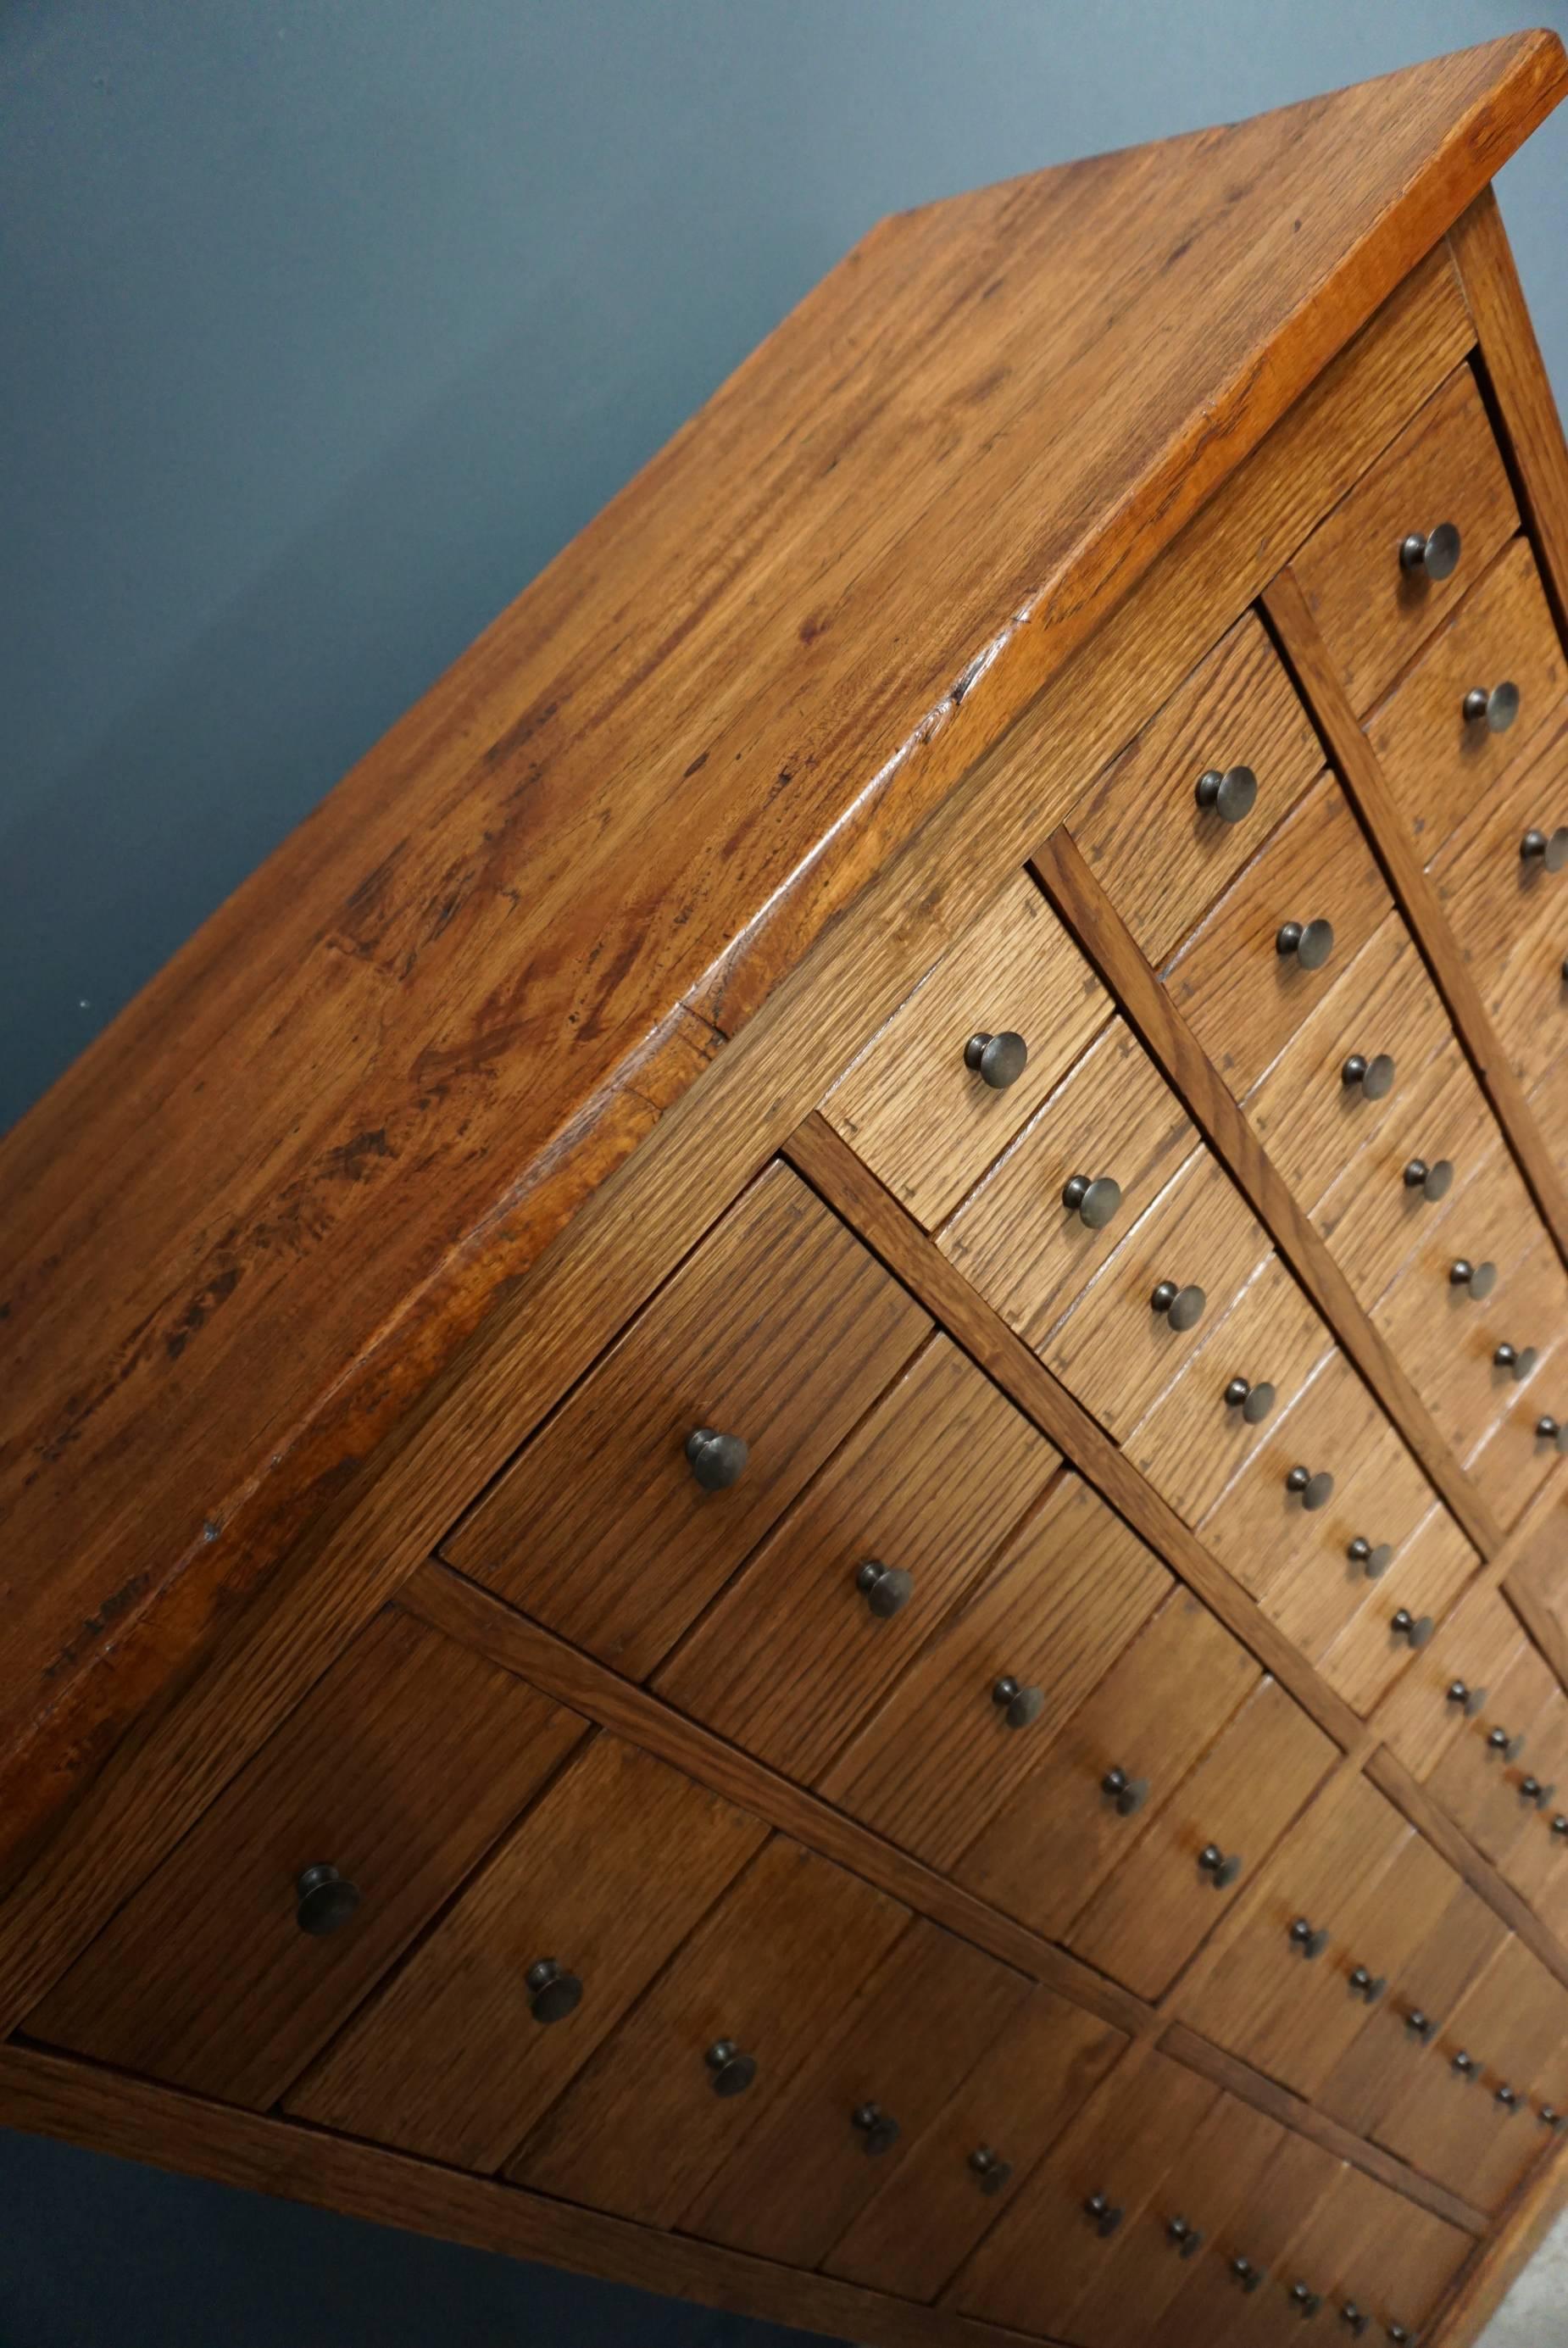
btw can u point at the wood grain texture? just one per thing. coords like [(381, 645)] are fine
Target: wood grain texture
[(1275, 2209), (1387, 1772), (1486, 2282), (1426, 1577), (1369, 1215)]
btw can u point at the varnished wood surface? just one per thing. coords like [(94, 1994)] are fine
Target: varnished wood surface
[(1388, 1771), (1486, 2282), (395, 1040)]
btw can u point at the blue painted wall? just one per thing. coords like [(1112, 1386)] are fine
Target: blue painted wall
[(327, 322)]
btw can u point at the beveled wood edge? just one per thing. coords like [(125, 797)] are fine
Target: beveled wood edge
[(1409, 1796), (1305, 656), (1483, 2281), (135, 2119), (1267, 2095), (1540, 1621), (1171, 1043), (445, 1599)]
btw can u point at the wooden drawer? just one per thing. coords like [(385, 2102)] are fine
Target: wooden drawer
[(1438, 763), (927, 1487), (924, 1121), (654, 2117), (458, 2057), (1536, 1861), (1262, 1526), (399, 1769), (1373, 612), (916, 2030), (1214, 2307), (1112, 1120), (1116, 1349), (780, 1329), (1314, 1589), (1512, 1458), (1374, 1213), (1471, 1652), (1193, 1442), (1366, 2246), (1480, 1784), (1425, 1578), (966, 2168), (940, 1753), (1242, 996), (1549, 1107), (1512, 2026), (1161, 855)]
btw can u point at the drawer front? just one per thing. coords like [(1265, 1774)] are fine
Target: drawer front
[(1373, 609), (1377, 1506), (1438, 762), (1536, 1863), (1366, 2246), (948, 1747), (466, 2048), (1088, 1165), (1486, 1780), (1515, 1456), (664, 2103), (925, 1120), (1447, 1686), (969, 2166), (1195, 1251), (1197, 1438), (1241, 992), (1549, 1107), (844, 2126), (904, 1517), (1375, 1213), (1111, 1768), (1287, 1521), (1161, 852), (780, 1329), (1424, 1580), (1175, 1886), (398, 1770), (1237, 2297)]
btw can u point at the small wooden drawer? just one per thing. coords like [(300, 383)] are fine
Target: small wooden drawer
[(966, 2169), (1486, 1778), (1109, 1138), (942, 1753), (668, 2098), (1195, 1250), (1241, 992), (1512, 2029), (1322, 1581), (1449, 1685), (780, 1329), (1438, 763), (850, 2117), (926, 1121), (1549, 1107), (1218, 2306), (1373, 609), (450, 2059), (227, 1971), (1293, 1511), (1374, 1213), (1367, 2245), (1351, 1069), (1424, 1580), (904, 1517), (1536, 1861), (1512, 1459), (1162, 852), (1194, 1440)]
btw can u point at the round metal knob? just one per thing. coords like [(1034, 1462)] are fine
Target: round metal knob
[(1434, 1181), (1554, 1431), (1560, 1826), (733, 2072), (1351, 2316), (1509, 2097), (992, 2171), (716, 1460), (1500, 1741), (1373, 1559), (1538, 1796), (1311, 1943), (1020, 1707), (879, 2131), (1497, 707), (997, 1060), (1550, 849), (1421, 2025), (553, 1991), (1550, 2117), (1244, 2271), (1254, 1403), (1093, 1197), (1400, 2337), (1221, 1866), (1465, 2064), (1417, 1628), (1107, 2216), (1472, 1698), (1128, 1794), (324, 1900), (1316, 1490), (1520, 1359), (1230, 795), (1306, 2302), (1375, 1076), (1311, 943), (1480, 1278), (1183, 1307), (1368, 1985), (887, 1589), (1433, 556), (1187, 2238)]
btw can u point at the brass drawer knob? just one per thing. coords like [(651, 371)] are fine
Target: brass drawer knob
[(1230, 795), (1434, 1181), (1312, 1944), (1415, 1628), (1538, 1796), (1496, 707), (1375, 1076), (1354, 2320), (733, 2072), (1093, 1197), (716, 1460), (1479, 1279), (1306, 2302), (1509, 2097), (1401, 2336), (991, 2171), (1374, 1558), (1368, 1986), (878, 2129), (1250, 2277), (324, 1901), (1551, 1430), (1315, 1491), (553, 1991), (1128, 1794), (1107, 2215), (1433, 555), (1560, 1826), (1254, 1403), (1471, 1698), (1221, 1866), (1183, 1307), (997, 1060), (1421, 2025), (1550, 2116), (1466, 2065), (887, 1589), (1550, 849), (1311, 943), (1187, 2238), (1020, 1707), (1500, 1741), (1520, 1359)]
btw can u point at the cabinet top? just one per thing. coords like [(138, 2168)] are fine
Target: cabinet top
[(245, 1228)]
